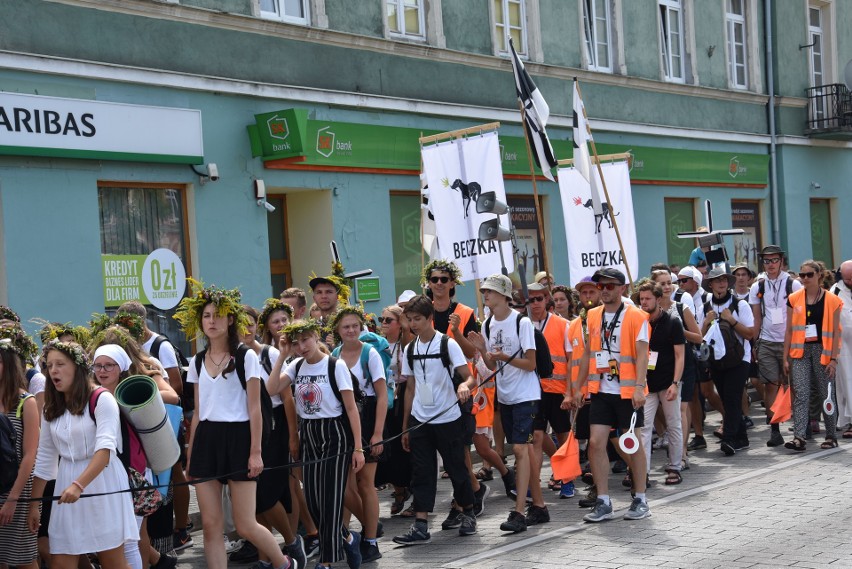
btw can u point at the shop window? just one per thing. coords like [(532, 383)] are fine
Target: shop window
[(510, 20), (290, 11), (136, 220), (279, 246), (821, 232), (405, 19), (680, 218), (735, 26), (405, 237), (671, 39), (597, 25)]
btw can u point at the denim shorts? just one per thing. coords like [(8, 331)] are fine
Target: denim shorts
[(518, 421)]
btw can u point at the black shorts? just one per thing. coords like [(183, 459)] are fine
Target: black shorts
[(221, 450), (274, 485), (549, 411), (613, 411), (581, 427), (687, 382), (368, 424)]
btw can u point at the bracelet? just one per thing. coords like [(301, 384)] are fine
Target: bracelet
[(359, 450), (78, 485)]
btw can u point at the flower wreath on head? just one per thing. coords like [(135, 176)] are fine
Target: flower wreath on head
[(130, 322), (345, 311), (74, 351), (441, 265), (226, 301), (270, 306), (122, 335), (14, 338), (298, 327), (7, 313), (53, 330)]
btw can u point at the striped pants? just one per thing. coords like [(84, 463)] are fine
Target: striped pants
[(325, 481), (806, 374)]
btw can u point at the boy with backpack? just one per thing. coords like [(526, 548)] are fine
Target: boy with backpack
[(508, 346), (432, 409)]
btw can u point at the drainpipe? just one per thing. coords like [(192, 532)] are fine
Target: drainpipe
[(773, 168)]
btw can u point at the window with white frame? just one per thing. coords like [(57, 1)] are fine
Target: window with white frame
[(597, 20), (816, 33), (735, 25), (290, 11), (671, 39), (405, 19), (510, 20)]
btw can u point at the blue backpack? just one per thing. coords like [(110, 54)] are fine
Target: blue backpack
[(380, 344)]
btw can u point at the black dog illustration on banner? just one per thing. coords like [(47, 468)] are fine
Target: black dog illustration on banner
[(470, 193), (599, 217)]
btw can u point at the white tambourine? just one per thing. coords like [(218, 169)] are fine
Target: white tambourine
[(628, 441), (828, 404)]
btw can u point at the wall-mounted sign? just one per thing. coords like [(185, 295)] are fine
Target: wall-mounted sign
[(367, 289), (158, 279)]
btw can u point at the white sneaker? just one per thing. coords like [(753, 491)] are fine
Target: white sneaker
[(232, 545)]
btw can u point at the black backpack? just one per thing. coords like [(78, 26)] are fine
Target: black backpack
[(444, 355), (267, 420), (734, 349), (8, 448), (187, 399), (543, 361), (265, 360), (357, 392), (761, 290)]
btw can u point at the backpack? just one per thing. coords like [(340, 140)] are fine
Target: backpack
[(734, 349), (380, 344), (265, 360), (761, 289), (444, 355), (543, 361), (332, 380), (8, 448), (187, 399), (267, 420)]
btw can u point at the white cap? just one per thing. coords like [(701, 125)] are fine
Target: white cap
[(692, 273), (406, 296), (498, 283)]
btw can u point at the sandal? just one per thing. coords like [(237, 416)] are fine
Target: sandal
[(828, 443), (719, 433), (408, 512), (796, 444), (684, 464), (555, 485), (399, 501), (445, 475), (628, 480), (847, 434), (673, 477), (484, 474)]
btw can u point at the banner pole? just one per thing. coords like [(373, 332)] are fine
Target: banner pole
[(542, 253), (479, 307), (606, 195), (422, 213)]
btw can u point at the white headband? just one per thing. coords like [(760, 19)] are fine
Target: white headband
[(116, 353)]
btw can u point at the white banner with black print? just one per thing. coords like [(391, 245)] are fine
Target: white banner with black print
[(592, 242), (458, 172)]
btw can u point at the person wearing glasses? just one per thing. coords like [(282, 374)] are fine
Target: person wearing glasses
[(451, 317), (812, 345), (768, 300)]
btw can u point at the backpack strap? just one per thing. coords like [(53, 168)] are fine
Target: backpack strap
[(487, 327), (265, 360), (199, 361), (299, 363), (332, 377), (679, 306), (155, 347), (834, 290), (789, 286), (240, 364), (93, 401), (409, 355), (365, 362), (20, 410), (761, 290)]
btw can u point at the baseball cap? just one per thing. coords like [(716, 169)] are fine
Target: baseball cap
[(323, 280), (406, 296), (498, 283), (585, 281), (691, 272), (536, 287), (609, 273)]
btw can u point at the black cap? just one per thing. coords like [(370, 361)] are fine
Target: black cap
[(772, 250), (322, 280), (609, 273)]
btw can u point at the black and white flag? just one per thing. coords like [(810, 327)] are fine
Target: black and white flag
[(536, 113)]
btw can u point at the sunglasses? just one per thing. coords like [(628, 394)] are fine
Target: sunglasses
[(607, 286), (684, 280), (436, 280), (536, 299), (771, 261), (809, 275), (104, 367), (518, 306), (385, 319)]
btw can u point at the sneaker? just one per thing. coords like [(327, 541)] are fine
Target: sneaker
[(296, 552), (728, 448), (181, 540), (537, 515), (479, 499), (453, 519), (697, 443), (311, 546), (741, 444), (515, 524), (468, 525), (509, 483), (415, 536), (236, 547), (567, 490), (353, 550), (165, 562), (748, 422), (601, 512), (591, 498), (369, 552), (638, 510), (775, 439)]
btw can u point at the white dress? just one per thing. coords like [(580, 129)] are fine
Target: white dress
[(65, 447)]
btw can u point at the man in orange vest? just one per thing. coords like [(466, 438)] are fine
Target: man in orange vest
[(555, 331), (618, 351)]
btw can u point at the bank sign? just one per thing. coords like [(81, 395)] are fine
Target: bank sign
[(32, 125)]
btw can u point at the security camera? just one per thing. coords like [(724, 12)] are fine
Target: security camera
[(213, 172), (815, 185), (269, 207)]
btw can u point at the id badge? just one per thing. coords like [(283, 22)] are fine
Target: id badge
[(652, 360), (601, 361), (424, 394), (810, 332), (776, 315)]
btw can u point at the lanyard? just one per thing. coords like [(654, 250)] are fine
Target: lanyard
[(775, 289), (423, 360), (606, 331)]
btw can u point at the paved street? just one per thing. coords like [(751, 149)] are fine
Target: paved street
[(761, 508)]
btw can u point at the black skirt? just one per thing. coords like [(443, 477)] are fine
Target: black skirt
[(221, 450), (274, 485)]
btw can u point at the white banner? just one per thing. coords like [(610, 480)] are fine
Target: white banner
[(592, 243), (458, 172)]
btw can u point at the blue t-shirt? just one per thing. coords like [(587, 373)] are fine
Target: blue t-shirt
[(696, 256)]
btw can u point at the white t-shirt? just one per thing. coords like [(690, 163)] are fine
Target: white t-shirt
[(167, 352), (612, 349), (542, 324), (774, 324), (433, 385), (274, 353), (377, 372), (222, 398), (514, 385), (37, 382), (315, 398), (743, 315)]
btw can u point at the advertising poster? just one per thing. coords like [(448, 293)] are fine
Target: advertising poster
[(745, 215)]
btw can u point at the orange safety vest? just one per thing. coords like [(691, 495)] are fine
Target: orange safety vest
[(465, 313), (554, 332), (578, 346), (632, 319), (483, 401), (797, 340)]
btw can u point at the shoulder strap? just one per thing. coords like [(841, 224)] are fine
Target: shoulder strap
[(265, 360), (365, 362), (444, 348), (518, 327), (19, 411), (834, 290), (199, 361), (240, 363), (93, 401), (789, 287), (487, 327), (332, 377), (678, 295), (155, 347), (299, 363), (409, 354), (679, 306)]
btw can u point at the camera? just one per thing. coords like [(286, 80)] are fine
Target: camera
[(213, 172), (268, 206)]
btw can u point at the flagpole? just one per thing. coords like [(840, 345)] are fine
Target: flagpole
[(606, 192), (422, 231), (535, 197)]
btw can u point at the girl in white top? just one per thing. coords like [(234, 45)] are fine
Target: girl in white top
[(328, 428), (226, 430), (89, 465)]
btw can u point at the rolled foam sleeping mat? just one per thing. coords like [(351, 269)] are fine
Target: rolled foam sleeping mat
[(142, 405)]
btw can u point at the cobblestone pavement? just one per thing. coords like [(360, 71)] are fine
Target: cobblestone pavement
[(762, 508)]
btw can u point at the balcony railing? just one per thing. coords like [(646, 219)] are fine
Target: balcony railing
[(829, 111)]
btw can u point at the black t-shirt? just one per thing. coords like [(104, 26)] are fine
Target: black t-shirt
[(666, 333), (813, 315), (442, 321)]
